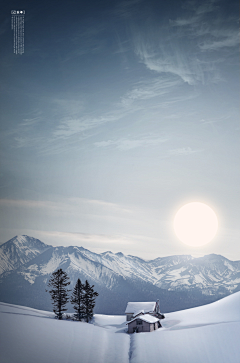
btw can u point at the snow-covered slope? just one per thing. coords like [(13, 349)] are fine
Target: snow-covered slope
[(29, 335), (206, 334), (18, 251)]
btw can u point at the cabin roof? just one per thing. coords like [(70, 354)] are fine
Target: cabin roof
[(148, 318), (136, 307), (138, 312)]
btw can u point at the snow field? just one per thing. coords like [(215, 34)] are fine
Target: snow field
[(206, 334), (26, 337), (208, 344)]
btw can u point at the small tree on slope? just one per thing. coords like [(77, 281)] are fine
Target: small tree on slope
[(89, 301), (59, 292), (77, 300)]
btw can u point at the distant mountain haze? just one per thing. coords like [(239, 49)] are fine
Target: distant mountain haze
[(179, 282)]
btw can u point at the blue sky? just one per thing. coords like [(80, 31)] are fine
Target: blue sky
[(116, 115)]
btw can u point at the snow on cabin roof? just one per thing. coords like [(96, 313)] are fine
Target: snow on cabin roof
[(135, 307), (148, 318), (138, 312)]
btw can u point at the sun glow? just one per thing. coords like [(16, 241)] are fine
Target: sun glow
[(195, 224)]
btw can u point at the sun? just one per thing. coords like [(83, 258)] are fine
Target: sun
[(195, 224)]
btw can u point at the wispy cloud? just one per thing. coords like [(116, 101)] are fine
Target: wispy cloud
[(29, 204), (68, 205), (179, 51), (26, 139), (227, 40), (128, 144), (96, 203), (69, 238), (70, 127), (126, 8), (220, 31), (24, 133), (147, 90), (68, 105), (67, 128), (183, 151), (184, 21), (130, 103), (205, 7), (30, 121), (166, 58), (195, 11), (87, 39), (21, 141)]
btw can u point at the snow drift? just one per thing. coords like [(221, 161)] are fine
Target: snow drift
[(206, 334)]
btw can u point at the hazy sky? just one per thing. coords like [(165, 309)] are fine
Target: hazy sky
[(117, 114)]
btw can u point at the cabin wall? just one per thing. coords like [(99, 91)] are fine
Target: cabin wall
[(143, 328), (129, 317)]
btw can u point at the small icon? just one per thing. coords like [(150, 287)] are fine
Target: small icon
[(13, 11), (17, 12)]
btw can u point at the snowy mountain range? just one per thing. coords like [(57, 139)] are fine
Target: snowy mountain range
[(179, 282)]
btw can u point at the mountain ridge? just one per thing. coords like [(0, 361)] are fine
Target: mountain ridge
[(177, 279)]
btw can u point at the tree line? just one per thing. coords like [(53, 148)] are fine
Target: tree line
[(83, 296)]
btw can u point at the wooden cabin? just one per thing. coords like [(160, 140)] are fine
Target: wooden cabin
[(143, 323), (150, 307)]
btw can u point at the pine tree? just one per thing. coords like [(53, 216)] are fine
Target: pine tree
[(89, 301), (59, 292), (77, 300)]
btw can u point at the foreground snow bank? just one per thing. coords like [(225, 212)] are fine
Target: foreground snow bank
[(224, 310), (206, 334), (209, 344), (29, 335)]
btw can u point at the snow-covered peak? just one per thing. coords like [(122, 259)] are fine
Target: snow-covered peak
[(18, 251)]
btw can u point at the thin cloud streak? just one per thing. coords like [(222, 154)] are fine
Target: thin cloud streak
[(184, 21), (145, 91), (183, 151), (228, 40), (85, 238), (30, 121), (67, 205), (128, 144)]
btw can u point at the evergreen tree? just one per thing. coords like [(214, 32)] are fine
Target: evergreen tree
[(89, 301), (77, 300), (59, 292)]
